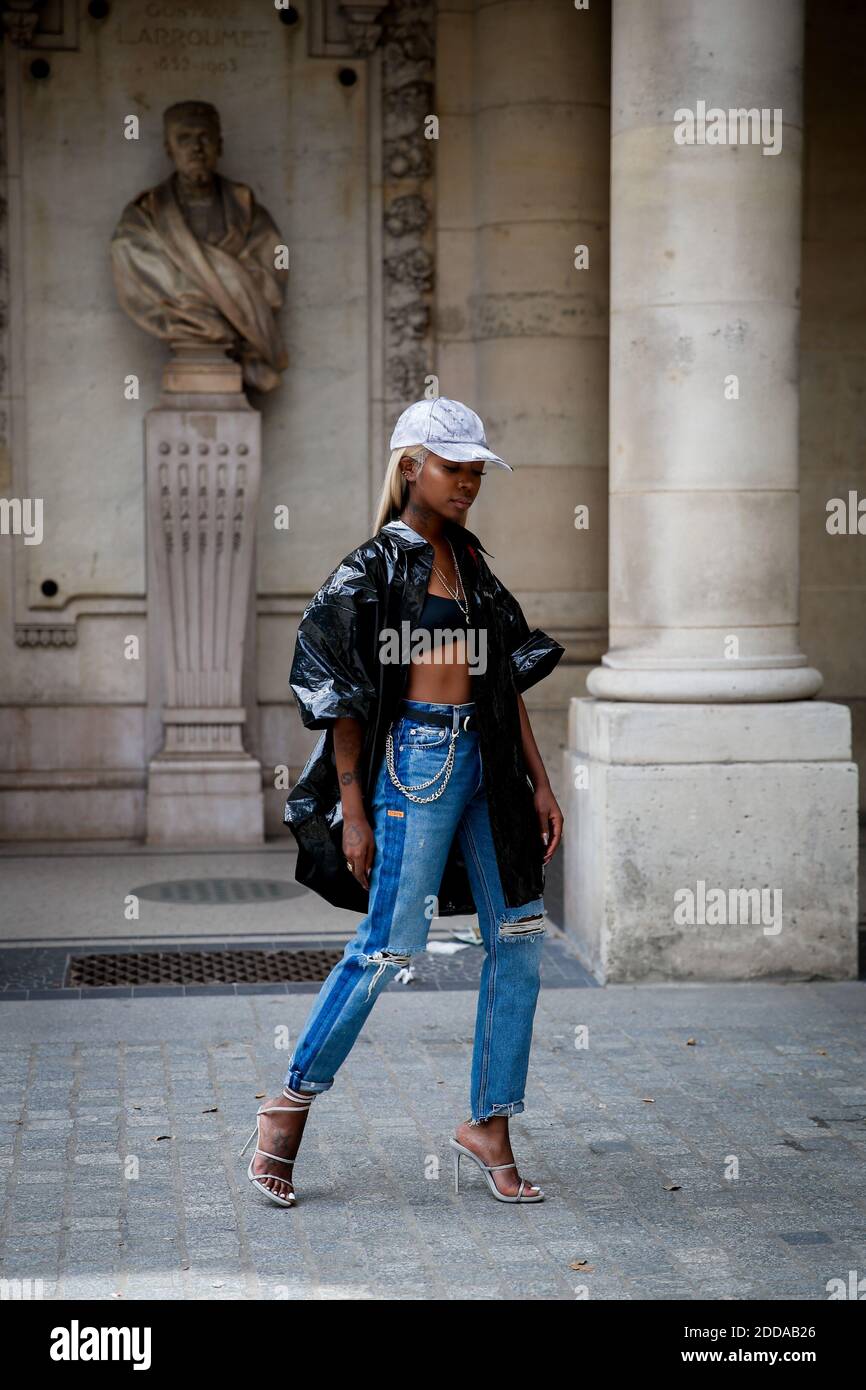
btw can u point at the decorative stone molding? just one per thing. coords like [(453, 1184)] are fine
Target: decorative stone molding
[(362, 25), (203, 492), (408, 51), (227, 501), (404, 158), (408, 216), (53, 25), (408, 321), (404, 31), (20, 18), (413, 268), (5, 464), (46, 635), (340, 29)]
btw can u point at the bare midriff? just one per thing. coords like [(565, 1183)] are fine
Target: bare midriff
[(438, 680), (440, 676)]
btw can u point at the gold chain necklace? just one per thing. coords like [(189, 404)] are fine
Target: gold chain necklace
[(459, 578)]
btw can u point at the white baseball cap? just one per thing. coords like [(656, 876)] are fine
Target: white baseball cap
[(448, 428)]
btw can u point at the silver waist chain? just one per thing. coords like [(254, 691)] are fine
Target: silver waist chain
[(409, 791)]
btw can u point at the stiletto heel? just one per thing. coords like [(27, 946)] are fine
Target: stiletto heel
[(521, 1194), (456, 1172), (258, 1178)]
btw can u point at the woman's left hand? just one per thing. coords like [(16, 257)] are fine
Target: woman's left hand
[(549, 819)]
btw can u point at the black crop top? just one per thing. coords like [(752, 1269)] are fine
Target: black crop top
[(440, 612)]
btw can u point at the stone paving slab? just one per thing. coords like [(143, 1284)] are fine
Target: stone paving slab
[(728, 1167)]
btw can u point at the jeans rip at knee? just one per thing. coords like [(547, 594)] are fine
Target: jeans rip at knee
[(382, 959), (526, 923)]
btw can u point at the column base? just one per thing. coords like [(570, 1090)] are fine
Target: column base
[(731, 683), (208, 801), (711, 842)]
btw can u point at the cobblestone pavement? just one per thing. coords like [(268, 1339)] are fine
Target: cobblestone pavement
[(708, 1142)]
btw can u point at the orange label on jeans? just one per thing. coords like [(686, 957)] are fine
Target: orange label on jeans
[(396, 813)]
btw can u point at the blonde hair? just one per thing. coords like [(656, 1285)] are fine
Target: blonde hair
[(395, 489)]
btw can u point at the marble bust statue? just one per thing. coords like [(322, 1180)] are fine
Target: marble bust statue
[(195, 260)]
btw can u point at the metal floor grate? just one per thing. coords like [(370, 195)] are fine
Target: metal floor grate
[(200, 968), (217, 892)]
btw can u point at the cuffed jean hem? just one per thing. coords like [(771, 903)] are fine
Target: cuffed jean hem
[(513, 1107), (296, 1082)]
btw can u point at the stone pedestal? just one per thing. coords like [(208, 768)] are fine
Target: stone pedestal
[(203, 460), (711, 842)]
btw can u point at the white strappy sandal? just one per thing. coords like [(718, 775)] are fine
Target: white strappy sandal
[(258, 1178), (521, 1195)]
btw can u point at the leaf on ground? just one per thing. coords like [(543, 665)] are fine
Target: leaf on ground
[(691, 1042), (157, 1137), (583, 1265), (649, 1100), (672, 1187), (211, 1110)]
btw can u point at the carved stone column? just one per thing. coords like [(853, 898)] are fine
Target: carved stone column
[(711, 826), (203, 460)]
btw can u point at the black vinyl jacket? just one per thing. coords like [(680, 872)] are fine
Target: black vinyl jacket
[(336, 671)]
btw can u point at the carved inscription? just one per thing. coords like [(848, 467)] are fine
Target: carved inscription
[(205, 37)]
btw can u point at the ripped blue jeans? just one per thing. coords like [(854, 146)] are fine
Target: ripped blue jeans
[(412, 844)]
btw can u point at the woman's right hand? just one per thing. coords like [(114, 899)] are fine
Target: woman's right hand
[(359, 848)]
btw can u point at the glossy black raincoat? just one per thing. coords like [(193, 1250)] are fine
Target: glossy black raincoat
[(336, 671)]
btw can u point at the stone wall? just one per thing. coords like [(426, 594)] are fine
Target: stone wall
[(523, 94), (73, 706), (453, 258)]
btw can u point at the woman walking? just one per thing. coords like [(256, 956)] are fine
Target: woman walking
[(426, 793)]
